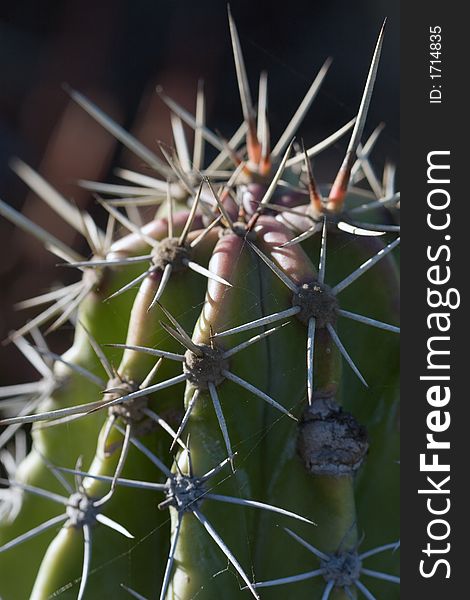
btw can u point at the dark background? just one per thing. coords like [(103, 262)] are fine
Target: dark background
[(116, 51)]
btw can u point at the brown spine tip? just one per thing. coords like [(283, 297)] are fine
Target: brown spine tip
[(339, 188)]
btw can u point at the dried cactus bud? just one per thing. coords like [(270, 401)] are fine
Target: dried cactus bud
[(330, 440)]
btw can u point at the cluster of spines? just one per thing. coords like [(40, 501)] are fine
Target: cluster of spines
[(213, 211)]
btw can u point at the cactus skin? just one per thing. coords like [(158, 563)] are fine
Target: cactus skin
[(299, 433)]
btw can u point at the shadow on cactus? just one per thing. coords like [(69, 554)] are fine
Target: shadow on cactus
[(257, 369)]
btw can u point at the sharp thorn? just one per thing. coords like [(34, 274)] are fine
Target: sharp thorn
[(33, 532), (379, 575), (310, 357), (220, 418), (221, 544), (368, 321), (171, 558), (344, 352), (279, 316), (107, 522), (255, 504), (209, 274), (254, 390), (253, 340), (362, 588), (275, 269), (304, 106), (318, 553), (165, 278), (340, 186), (152, 351), (323, 145), (87, 546), (365, 267), (118, 132)]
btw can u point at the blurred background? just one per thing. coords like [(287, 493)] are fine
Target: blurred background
[(116, 52)]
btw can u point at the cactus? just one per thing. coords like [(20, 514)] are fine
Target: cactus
[(211, 432)]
